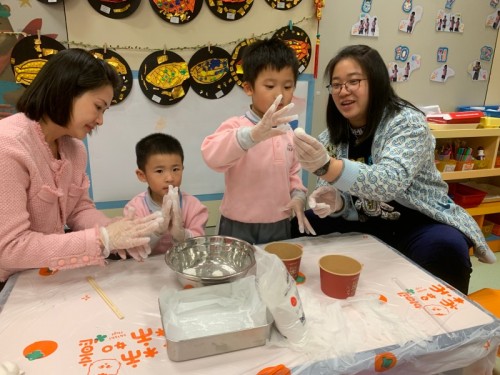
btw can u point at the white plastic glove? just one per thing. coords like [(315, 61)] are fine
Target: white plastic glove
[(297, 204), (177, 230), (166, 209), (325, 200), (311, 153), (130, 233), (273, 122)]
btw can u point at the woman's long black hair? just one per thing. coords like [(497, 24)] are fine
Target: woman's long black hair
[(382, 99)]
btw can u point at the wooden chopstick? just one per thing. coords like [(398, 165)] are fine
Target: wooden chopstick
[(111, 305)]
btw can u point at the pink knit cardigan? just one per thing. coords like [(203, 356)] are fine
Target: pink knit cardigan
[(38, 196)]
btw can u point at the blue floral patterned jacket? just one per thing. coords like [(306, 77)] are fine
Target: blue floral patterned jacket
[(403, 170)]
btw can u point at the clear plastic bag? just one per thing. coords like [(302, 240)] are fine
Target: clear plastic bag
[(279, 292)]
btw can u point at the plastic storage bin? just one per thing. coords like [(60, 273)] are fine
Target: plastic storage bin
[(466, 196), (488, 110)]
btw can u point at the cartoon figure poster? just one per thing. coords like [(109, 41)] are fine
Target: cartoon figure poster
[(408, 25), (366, 26)]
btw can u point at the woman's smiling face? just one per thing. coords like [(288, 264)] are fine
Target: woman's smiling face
[(353, 103)]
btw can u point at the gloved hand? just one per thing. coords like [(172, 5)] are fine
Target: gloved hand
[(129, 233), (325, 200), (297, 204), (311, 153), (177, 230), (166, 209), (272, 122)]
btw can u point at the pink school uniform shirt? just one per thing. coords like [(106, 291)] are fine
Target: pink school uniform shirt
[(259, 181), (39, 195), (194, 216)]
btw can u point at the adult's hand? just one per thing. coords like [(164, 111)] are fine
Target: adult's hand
[(311, 153)]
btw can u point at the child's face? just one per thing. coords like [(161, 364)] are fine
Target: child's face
[(160, 171), (268, 85)]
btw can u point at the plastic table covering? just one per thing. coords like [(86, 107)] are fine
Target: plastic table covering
[(54, 323)]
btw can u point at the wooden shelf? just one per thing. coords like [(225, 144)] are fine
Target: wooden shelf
[(466, 133), (484, 209), (475, 173)]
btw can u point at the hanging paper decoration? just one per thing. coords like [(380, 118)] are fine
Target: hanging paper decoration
[(449, 22), (442, 54), (283, 4), (164, 77), (486, 53), (177, 12), (230, 10), (115, 8), (121, 67), (442, 74), (236, 63), (299, 41), (477, 72), (30, 54), (209, 72), (318, 4), (493, 20), (408, 25), (366, 6), (401, 73)]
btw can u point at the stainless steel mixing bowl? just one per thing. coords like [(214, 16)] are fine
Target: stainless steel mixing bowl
[(209, 260)]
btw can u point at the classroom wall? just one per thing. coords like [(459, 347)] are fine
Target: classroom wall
[(143, 32)]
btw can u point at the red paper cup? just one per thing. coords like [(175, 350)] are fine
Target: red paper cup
[(339, 275), (289, 253)]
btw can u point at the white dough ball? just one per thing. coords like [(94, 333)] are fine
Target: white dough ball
[(299, 130)]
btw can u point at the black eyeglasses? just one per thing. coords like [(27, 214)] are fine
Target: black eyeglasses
[(350, 86)]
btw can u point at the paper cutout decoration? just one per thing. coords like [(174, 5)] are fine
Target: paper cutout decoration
[(476, 71), (407, 6), (176, 12), (401, 53), (121, 67), (283, 4), (30, 54), (366, 26), (449, 4), (494, 3), (366, 6), (400, 73), (230, 10), (442, 54), (449, 22), (493, 20), (164, 77), (209, 72), (298, 40), (408, 25), (486, 53), (236, 63), (442, 73), (115, 9)]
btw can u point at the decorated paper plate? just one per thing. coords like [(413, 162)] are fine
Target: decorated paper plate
[(236, 63), (121, 67), (30, 54), (230, 10), (299, 41), (115, 8), (283, 4), (177, 12), (209, 72), (164, 77)]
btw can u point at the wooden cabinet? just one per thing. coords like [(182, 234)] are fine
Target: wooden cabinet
[(489, 139)]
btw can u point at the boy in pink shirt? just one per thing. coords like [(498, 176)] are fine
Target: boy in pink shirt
[(160, 163), (255, 151)]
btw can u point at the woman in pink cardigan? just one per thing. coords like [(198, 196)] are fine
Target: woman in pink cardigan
[(42, 168)]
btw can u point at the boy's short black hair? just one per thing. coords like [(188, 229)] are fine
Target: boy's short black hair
[(271, 53), (154, 144)]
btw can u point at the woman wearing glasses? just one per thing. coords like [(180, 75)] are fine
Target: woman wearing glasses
[(375, 163)]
